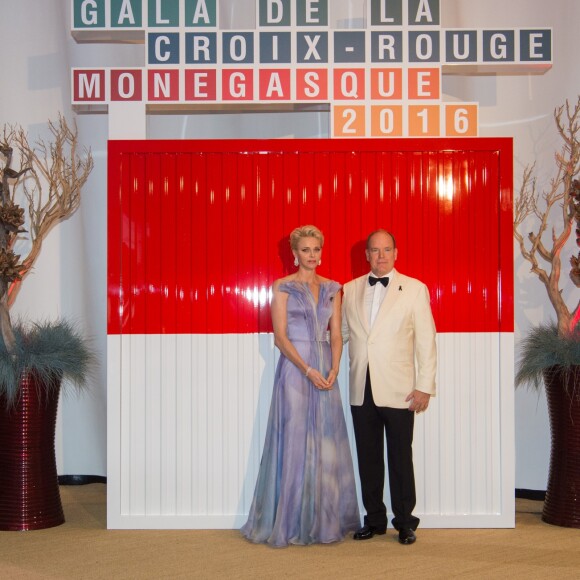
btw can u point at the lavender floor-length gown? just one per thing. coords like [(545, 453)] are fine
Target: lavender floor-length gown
[(305, 492)]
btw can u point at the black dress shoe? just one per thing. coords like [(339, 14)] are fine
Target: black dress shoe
[(407, 536), (367, 532)]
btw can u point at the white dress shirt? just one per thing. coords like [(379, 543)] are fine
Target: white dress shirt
[(374, 296)]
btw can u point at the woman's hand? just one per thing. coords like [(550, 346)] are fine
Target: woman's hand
[(318, 380), (331, 377)]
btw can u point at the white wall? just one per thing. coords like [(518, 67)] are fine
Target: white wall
[(70, 277)]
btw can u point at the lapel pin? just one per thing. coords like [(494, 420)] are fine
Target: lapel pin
[(400, 288)]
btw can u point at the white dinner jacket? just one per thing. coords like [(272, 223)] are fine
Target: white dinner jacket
[(399, 349)]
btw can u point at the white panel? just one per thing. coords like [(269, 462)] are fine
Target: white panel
[(186, 436), (464, 444), (169, 424), (184, 426), (133, 411), (506, 474), (199, 412), (217, 437), (116, 443), (151, 436)]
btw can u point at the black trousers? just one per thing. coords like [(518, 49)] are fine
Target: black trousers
[(371, 424)]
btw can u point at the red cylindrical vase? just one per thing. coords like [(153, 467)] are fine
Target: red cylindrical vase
[(562, 503), (29, 492)]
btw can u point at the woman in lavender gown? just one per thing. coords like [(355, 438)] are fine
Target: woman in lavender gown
[(305, 492)]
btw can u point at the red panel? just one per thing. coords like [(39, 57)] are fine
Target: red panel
[(170, 195), (245, 288), (116, 183), (197, 238), (134, 284), (153, 247), (184, 248), (265, 253), (227, 287), (214, 243), (198, 230)]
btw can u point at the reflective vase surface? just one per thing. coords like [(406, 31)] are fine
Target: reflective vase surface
[(562, 503), (29, 492)]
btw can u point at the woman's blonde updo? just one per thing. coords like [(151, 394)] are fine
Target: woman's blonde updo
[(305, 232)]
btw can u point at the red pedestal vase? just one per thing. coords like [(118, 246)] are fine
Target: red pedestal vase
[(29, 492), (562, 504)]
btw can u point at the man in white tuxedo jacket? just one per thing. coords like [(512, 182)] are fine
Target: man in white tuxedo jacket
[(387, 320)]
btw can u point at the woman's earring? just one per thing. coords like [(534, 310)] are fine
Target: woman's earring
[(319, 262), (296, 262)]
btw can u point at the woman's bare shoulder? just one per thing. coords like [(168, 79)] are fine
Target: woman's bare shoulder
[(323, 280), (281, 281)]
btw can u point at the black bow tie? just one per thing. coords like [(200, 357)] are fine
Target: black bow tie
[(383, 281)]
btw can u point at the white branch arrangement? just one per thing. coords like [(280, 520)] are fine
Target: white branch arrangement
[(563, 198), (49, 181)]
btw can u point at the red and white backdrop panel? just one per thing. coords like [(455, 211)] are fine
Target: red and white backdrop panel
[(198, 231)]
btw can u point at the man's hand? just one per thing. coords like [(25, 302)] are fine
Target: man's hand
[(419, 401)]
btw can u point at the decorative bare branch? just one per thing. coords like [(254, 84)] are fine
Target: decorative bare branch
[(50, 179), (562, 195)]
